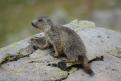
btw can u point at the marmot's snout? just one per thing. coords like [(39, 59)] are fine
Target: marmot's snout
[(34, 25)]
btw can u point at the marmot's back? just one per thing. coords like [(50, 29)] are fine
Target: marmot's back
[(73, 46)]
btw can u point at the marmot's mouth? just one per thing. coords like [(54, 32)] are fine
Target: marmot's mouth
[(34, 25)]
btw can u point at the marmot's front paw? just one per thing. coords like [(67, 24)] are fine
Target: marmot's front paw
[(33, 42), (34, 39)]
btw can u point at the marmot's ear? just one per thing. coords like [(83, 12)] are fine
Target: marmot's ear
[(49, 21), (44, 17)]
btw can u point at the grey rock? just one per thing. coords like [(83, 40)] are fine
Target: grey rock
[(98, 42), (101, 41), (107, 70)]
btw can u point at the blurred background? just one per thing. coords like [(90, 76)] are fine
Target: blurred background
[(16, 15)]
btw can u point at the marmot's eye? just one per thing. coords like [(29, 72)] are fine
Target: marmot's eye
[(40, 20)]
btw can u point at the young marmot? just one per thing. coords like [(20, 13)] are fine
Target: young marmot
[(64, 41)]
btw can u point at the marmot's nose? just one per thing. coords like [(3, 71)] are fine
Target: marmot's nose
[(33, 24)]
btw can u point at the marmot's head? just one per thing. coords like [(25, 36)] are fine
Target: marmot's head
[(42, 23)]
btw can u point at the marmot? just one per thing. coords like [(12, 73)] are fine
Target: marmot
[(64, 41)]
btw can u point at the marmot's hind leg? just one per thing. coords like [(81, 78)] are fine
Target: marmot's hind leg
[(57, 49)]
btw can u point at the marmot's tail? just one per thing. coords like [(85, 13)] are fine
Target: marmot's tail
[(89, 71), (86, 66)]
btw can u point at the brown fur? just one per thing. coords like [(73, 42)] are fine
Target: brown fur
[(64, 41)]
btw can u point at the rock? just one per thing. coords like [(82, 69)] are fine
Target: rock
[(78, 25), (12, 49), (22, 70), (101, 41), (107, 70), (98, 42)]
